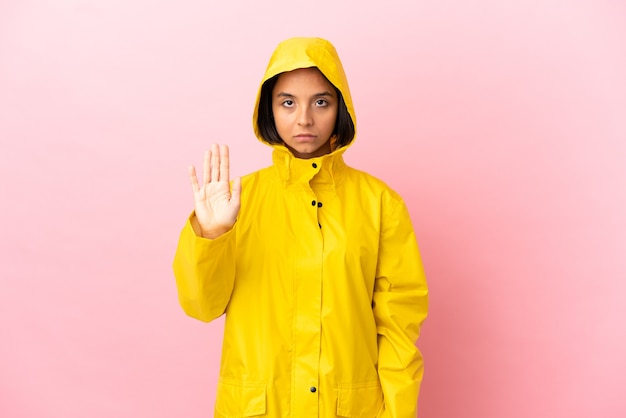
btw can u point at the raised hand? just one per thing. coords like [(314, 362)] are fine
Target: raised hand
[(216, 206)]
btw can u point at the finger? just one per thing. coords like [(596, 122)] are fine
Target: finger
[(206, 173), (215, 162), (224, 163), (193, 178), (235, 193)]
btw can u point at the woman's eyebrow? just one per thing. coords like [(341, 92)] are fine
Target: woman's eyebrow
[(322, 94)]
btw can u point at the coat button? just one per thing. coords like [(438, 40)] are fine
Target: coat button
[(319, 204), (313, 389), (314, 165), (313, 203)]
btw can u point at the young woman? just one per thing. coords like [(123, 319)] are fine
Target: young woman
[(314, 263)]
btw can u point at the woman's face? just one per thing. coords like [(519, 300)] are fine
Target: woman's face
[(305, 106)]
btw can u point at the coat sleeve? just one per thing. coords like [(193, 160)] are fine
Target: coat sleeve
[(205, 272), (400, 307)]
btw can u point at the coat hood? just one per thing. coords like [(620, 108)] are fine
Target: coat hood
[(295, 53)]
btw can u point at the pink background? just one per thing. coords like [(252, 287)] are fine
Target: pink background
[(503, 124)]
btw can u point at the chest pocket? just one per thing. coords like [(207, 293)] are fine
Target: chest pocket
[(235, 399), (364, 400)]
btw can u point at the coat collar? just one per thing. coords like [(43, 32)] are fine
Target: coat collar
[(325, 172)]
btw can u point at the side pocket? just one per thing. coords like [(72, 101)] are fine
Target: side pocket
[(359, 400), (240, 399)]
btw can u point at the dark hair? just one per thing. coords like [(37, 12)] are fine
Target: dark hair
[(344, 127)]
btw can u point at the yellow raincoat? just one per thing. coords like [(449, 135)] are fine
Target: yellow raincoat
[(320, 280)]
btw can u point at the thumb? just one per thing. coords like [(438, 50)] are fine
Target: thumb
[(235, 193)]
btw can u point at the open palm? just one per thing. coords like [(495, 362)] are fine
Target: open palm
[(216, 205)]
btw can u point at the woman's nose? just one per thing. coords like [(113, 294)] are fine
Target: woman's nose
[(304, 117)]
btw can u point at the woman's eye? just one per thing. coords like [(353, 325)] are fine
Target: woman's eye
[(288, 103), (321, 102)]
